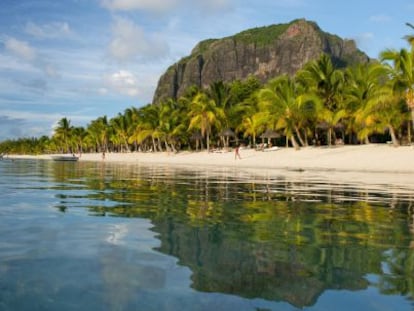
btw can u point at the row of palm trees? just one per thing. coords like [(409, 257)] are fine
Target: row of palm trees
[(354, 104)]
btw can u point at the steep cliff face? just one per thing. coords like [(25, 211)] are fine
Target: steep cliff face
[(262, 52)]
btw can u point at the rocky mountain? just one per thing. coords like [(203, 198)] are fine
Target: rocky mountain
[(264, 52)]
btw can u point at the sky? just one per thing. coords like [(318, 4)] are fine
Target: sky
[(83, 59)]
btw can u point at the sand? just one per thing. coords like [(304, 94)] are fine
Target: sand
[(374, 164)]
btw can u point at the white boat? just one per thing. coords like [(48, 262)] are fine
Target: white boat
[(68, 158)]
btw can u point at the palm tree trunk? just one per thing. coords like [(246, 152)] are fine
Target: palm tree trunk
[(302, 142), (126, 145), (208, 141), (167, 147), (154, 145), (329, 136), (412, 120), (173, 148), (394, 139), (294, 142)]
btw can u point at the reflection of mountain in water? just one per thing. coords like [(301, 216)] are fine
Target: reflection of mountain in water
[(279, 271)]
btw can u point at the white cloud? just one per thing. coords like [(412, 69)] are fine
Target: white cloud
[(380, 18), (147, 5), (129, 42), (20, 49), (48, 31), (123, 82)]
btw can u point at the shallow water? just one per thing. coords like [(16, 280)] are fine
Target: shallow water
[(100, 236)]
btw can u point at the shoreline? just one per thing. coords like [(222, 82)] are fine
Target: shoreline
[(373, 165), (373, 158)]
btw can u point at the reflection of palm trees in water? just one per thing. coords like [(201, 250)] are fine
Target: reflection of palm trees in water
[(411, 224), (284, 251), (263, 234)]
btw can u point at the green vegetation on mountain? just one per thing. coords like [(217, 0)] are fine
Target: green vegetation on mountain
[(263, 52)]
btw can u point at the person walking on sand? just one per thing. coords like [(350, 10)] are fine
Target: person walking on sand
[(236, 153)]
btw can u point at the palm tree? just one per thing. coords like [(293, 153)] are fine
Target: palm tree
[(63, 133), (220, 92), (403, 74), (251, 125), (177, 114), (98, 131), (242, 115), (146, 127), (204, 115), (132, 117), (323, 79), (410, 38), (329, 120), (404, 65), (79, 134), (283, 105), (362, 85), (119, 125), (167, 123), (381, 113)]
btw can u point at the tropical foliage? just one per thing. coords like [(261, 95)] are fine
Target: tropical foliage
[(319, 105)]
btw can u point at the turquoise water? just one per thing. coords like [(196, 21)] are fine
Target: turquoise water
[(95, 236)]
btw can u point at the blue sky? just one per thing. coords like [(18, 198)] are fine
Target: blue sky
[(83, 59)]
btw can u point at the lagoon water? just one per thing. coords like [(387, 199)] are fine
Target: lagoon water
[(100, 236)]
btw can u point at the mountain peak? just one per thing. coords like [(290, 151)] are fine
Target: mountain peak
[(263, 52)]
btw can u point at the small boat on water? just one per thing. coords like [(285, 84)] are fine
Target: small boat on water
[(67, 158)]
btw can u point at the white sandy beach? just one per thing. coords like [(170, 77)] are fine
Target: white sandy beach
[(365, 158), (371, 164)]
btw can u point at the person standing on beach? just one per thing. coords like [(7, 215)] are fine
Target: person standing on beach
[(236, 152)]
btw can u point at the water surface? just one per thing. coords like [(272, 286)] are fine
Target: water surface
[(100, 236)]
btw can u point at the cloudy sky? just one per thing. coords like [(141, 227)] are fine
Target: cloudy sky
[(82, 59)]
